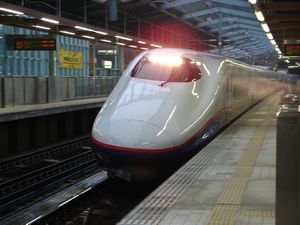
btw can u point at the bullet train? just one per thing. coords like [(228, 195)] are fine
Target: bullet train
[(169, 102)]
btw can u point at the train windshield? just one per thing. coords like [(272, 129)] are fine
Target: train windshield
[(166, 68)]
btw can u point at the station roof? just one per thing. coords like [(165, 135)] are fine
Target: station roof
[(227, 27)]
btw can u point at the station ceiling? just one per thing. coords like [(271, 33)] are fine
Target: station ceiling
[(227, 27)]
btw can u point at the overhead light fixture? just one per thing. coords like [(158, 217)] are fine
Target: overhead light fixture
[(273, 42), (100, 32), (144, 48), (287, 61), (11, 11), (50, 20), (265, 27), (83, 28), (270, 36), (105, 40), (142, 42), (120, 43), (157, 46), (66, 32), (132, 46), (41, 27), (252, 2), (259, 16), (124, 38), (86, 36)]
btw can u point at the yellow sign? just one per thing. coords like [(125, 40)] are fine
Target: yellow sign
[(70, 59)]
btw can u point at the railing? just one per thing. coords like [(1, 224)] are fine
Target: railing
[(21, 90)]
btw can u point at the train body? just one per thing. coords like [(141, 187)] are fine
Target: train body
[(168, 102)]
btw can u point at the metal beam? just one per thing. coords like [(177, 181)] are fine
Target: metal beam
[(233, 26), (150, 3), (233, 12), (284, 26), (280, 5), (243, 32), (178, 3), (283, 17)]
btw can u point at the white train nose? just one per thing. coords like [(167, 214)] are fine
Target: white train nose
[(135, 134)]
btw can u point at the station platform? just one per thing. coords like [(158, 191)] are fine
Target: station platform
[(229, 182), (36, 110)]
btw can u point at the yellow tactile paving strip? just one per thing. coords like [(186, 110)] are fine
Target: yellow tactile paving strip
[(254, 213), (228, 206)]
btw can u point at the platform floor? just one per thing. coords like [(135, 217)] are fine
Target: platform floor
[(229, 182), (29, 111)]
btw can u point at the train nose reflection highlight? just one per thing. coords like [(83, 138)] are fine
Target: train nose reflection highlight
[(136, 134)]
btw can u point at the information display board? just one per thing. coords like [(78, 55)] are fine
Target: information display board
[(35, 44), (292, 50), (30, 42)]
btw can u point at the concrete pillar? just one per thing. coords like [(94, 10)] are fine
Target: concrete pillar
[(93, 58), (120, 59), (288, 166)]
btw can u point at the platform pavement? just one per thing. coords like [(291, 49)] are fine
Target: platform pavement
[(28, 111), (229, 182)]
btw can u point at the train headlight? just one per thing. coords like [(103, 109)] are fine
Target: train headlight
[(166, 59)]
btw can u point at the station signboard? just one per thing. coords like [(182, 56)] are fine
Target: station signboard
[(107, 52)]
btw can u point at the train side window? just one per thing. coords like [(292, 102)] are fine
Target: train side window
[(194, 73)]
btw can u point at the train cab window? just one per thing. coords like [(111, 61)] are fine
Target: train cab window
[(166, 68)]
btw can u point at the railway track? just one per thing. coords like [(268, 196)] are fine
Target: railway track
[(29, 178)]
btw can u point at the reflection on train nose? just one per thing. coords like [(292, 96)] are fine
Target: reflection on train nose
[(135, 134)]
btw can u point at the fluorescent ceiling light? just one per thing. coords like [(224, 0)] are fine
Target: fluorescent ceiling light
[(259, 16), (273, 42), (66, 32), (157, 46), (83, 28), (252, 1), (86, 36), (100, 32), (11, 11), (124, 38), (132, 46), (265, 27), (41, 27), (144, 48), (119, 43), (270, 36), (142, 42), (50, 20), (105, 40)]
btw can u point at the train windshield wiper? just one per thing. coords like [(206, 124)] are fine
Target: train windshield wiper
[(165, 82)]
